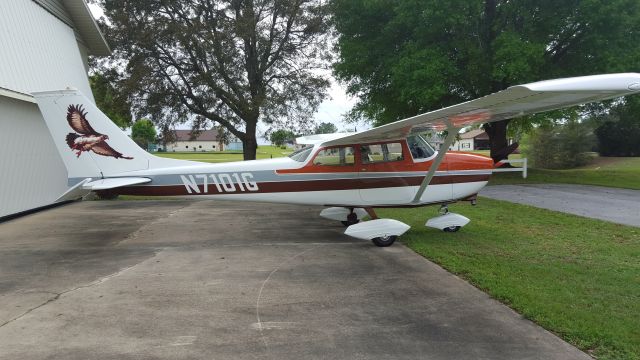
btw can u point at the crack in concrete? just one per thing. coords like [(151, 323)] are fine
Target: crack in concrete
[(133, 235), (58, 295), (259, 324)]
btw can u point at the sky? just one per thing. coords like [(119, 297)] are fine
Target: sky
[(331, 110)]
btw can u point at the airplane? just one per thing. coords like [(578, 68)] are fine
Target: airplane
[(352, 174)]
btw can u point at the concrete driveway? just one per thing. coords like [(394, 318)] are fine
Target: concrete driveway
[(219, 280), (620, 206)]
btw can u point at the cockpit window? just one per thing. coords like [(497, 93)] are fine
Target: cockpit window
[(302, 154), (419, 147)]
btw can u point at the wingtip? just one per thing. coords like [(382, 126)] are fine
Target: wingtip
[(605, 83)]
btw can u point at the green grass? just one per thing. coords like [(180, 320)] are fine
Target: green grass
[(264, 152), (577, 277), (611, 172)]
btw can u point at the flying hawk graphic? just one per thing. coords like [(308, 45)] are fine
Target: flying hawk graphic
[(86, 138)]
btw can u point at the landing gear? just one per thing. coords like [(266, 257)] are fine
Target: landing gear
[(384, 241), (347, 216), (452, 228), (382, 232), (352, 219), (447, 221)]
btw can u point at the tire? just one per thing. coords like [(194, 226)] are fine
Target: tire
[(384, 241), (349, 223), (352, 219), (451, 229)]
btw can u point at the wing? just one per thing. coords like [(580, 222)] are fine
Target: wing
[(102, 148), (76, 117), (513, 102)]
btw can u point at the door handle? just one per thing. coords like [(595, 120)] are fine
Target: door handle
[(363, 169)]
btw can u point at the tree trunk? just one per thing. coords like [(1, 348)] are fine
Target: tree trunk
[(498, 142), (250, 143)]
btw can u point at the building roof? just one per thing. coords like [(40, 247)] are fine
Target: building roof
[(475, 134), (76, 14), (87, 27), (207, 135)]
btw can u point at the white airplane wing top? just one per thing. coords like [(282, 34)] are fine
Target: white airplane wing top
[(513, 102), (319, 138)]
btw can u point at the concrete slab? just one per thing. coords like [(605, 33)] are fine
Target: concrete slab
[(219, 280), (620, 206)]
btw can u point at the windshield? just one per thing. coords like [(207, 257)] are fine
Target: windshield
[(302, 154), (420, 148)]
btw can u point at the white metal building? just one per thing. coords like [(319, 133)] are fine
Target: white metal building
[(471, 140), (205, 141), (44, 45)]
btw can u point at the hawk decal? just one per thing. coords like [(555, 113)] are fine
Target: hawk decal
[(85, 138)]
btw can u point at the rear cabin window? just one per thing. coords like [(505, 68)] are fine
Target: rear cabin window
[(338, 156), (381, 153)]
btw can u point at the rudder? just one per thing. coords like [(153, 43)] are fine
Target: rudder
[(89, 143)]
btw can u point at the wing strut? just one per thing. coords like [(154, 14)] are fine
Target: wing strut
[(452, 133)]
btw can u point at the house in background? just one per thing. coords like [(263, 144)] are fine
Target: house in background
[(205, 141), (45, 45), (476, 139)]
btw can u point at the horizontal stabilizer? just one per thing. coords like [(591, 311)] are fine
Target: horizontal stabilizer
[(76, 192), (112, 183)]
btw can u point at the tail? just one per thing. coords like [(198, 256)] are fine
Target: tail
[(89, 143)]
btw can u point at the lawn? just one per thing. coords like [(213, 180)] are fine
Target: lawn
[(264, 152), (578, 277), (612, 172)]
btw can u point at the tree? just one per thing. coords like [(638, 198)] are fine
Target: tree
[(619, 131), (232, 62), (280, 137), (167, 135), (111, 101), (402, 58), (325, 128), (143, 132)]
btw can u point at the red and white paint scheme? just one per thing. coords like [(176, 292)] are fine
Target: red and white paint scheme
[(351, 174)]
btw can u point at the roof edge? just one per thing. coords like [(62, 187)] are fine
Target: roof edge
[(87, 27)]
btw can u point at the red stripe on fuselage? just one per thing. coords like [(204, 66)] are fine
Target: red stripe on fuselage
[(302, 185)]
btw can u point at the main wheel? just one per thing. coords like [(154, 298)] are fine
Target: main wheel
[(349, 223), (384, 241), (352, 219), (451, 229)]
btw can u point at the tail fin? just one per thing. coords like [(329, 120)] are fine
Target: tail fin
[(90, 144)]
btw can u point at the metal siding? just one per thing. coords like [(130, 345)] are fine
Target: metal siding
[(38, 51), (31, 171)]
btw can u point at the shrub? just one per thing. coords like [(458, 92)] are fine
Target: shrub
[(560, 146)]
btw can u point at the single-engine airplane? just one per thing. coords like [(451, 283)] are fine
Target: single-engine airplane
[(351, 174)]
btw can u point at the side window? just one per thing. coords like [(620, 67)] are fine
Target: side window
[(381, 153), (420, 149), (337, 156)]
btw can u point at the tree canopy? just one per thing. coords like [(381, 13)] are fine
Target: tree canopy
[(402, 58), (143, 132), (325, 128), (108, 99), (280, 137), (231, 62)]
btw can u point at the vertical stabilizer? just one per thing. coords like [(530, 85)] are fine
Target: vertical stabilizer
[(90, 144)]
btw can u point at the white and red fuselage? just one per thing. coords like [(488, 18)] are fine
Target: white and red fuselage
[(363, 180)]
